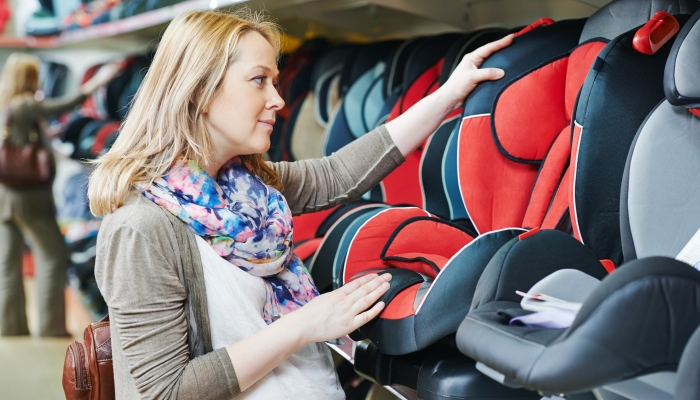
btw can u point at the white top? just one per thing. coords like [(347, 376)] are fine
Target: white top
[(235, 301)]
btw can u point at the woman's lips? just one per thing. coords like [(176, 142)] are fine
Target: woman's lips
[(268, 122)]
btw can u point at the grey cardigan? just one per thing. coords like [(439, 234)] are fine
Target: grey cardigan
[(161, 345)]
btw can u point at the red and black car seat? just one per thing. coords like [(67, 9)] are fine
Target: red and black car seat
[(414, 241), (638, 319)]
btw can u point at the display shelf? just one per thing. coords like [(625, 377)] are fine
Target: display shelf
[(146, 25)]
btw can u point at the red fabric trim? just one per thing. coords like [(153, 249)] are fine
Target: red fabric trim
[(608, 265), (494, 189), (529, 233), (549, 177), (102, 135), (308, 248), (560, 203), (366, 248), (695, 111), (575, 142), (580, 62), (306, 225), (401, 306), (531, 112), (535, 25), (402, 185)]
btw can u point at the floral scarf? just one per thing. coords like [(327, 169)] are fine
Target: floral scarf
[(246, 222)]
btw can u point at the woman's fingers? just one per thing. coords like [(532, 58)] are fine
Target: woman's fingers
[(368, 315), (367, 288), (366, 301), (487, 74), (355, 284), (479, 55)]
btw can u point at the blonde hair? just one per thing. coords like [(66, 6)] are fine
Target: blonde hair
[(166, 118), (20, 76)]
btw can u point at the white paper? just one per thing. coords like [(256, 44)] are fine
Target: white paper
[(691, 252)]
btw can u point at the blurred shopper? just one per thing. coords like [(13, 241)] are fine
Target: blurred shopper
[(30, 212)]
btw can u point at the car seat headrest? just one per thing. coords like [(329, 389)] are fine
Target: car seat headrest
[(682, 75), (619, 16)]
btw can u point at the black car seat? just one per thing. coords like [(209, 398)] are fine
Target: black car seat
[(638, 319)]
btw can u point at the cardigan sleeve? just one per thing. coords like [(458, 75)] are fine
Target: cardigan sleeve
[(137, 272), (342, 177)]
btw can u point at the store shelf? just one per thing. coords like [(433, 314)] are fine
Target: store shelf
[(146, 25)]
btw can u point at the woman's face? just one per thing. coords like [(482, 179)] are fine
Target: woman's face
[(241, 115)]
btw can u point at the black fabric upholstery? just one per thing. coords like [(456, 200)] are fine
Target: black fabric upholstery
[(688, 379), (671, 90), (401, 279), (521, 263), (465, 45), (366, 58), (547, 41), (615, 99), (635, 323), (396, 65), (450, 375), (431, 170)]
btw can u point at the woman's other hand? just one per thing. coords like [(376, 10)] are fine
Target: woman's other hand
[(335, 314), (105, 74), (467, 75)]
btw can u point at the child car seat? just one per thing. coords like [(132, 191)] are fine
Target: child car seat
[(637, 320)]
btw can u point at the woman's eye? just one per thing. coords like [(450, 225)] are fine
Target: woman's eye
[(260, 80)]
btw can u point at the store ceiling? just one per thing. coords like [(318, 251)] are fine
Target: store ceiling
[(376, 19)]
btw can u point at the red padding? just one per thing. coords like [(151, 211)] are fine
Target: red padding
[(560, 204), (367, 245), (580, 62), (401, 306), (306, 225), (551, 173), (575, 142), (402, 186), (695, 111), (608, 265), (531, 112), (423, 244), (307, 248), (495, 190)]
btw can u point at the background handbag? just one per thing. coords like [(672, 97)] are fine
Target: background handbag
[(87, 369), (25, 166)]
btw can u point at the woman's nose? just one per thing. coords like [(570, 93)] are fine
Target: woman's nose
[(276, 102)]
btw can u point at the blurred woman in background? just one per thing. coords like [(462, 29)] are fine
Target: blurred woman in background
[(31, 212)]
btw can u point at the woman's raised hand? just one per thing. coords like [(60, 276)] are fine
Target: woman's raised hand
[(468, 74), (335, 314)]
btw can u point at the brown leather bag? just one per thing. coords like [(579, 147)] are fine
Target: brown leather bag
[(27, 166), (87, 370)]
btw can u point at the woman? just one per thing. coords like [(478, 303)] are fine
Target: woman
[(187, 165), (31, 212)]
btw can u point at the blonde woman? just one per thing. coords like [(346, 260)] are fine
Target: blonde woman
[(188, 164), (31, 212)]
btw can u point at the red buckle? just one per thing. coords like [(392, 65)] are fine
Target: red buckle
[(535, 25), (608, 265), (527, 234), (695, 111), (655, 33)]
